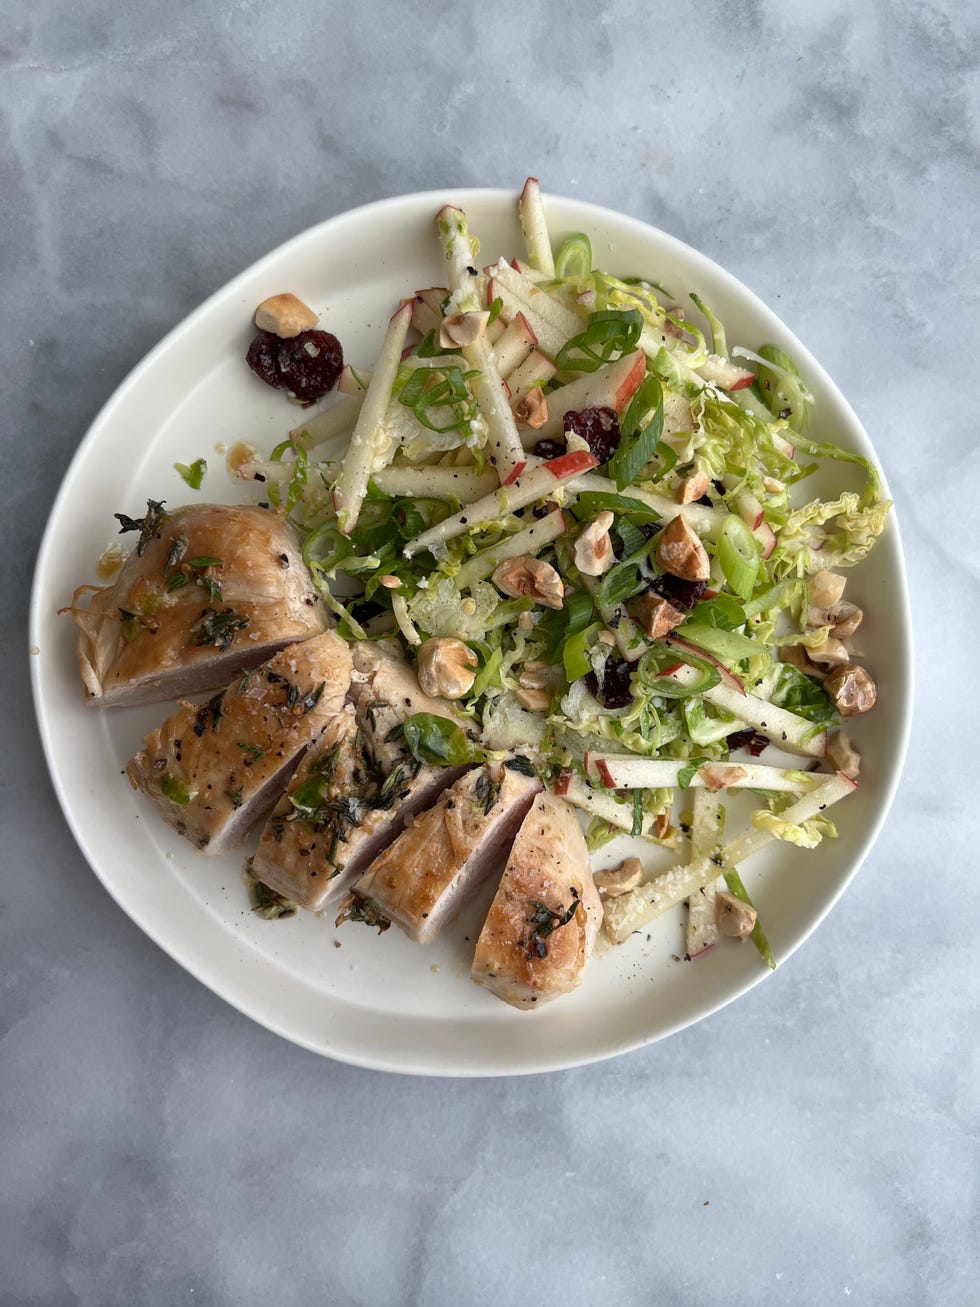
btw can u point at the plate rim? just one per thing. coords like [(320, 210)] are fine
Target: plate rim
[(226, 987)]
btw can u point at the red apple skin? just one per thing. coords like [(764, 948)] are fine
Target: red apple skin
[(563, 782), (749, 510), (766, 537), (514, 474), (570, 464)]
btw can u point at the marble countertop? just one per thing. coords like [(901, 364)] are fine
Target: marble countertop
[(814, 1142)]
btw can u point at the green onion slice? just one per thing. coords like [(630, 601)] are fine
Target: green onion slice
[(609, 335), (654, 664), (574, 259), (739, 556)]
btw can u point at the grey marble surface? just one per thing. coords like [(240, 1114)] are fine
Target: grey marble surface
[(817, 1141)]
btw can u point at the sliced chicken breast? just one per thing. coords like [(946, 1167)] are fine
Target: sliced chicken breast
[(422, 881), (208, 591), (213, 770), (357, 789), (543, 922), (385, 692)]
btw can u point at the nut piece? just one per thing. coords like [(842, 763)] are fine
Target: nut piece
[(534, 698), (681, 553), (446, 667), (463, 329), (719, 775), (390, 582), (593, 548), (830, 654), (842, 754), (656, 616), (735, 918), (842, 617), (525, 575), (692, 488), (826, 589), (285, 316), (532, 410), (619, 880), (852, 690)]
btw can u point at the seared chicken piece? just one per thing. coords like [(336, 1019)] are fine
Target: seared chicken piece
[(213, 770), (356, 790), (385, 691), (543, 922), (422, 880), (208, 591)]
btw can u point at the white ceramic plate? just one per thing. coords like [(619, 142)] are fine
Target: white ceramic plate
[(387, 1003)]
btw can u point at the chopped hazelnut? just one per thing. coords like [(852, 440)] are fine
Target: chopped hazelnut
[(826, 589), (842, 754), (619, 880), (534, 698), (843, 618), (735, 918), (593, 548), (529, 576), (719, 775), (390, 582), (285, 316), (831, 653), (446, 667), (656, 616), (692, 488), (535, 674), (852, 690), (462, 329), (681, 553), (532, 409)]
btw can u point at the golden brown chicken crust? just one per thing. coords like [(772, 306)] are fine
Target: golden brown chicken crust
[(212, 770), (410, 881), (542, 924), (173, 623)]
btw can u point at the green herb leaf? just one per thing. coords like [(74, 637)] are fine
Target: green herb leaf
[(193, 473), (147, 526), (218, 629), (545, 921), (175, 789), (437, 740), (591, 502)]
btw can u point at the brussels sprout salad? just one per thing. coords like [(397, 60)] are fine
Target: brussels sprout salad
[(581, 510)]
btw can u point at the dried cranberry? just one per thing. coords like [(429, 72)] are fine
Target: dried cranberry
[(614, 691), (682, 594), (307, 366), (598, 427), (548, 448), (747, 739)]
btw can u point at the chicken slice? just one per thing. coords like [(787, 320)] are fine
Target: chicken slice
[(385, 692), (422, 881), (213, 770), (357, 789), (209, 590), (543, 922)]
